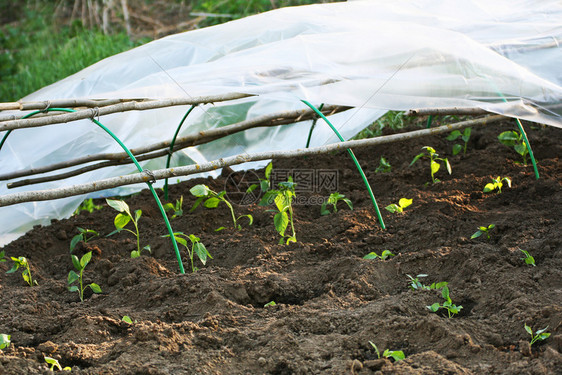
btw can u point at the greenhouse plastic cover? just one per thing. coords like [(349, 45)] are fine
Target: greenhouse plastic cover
[(501, 56)]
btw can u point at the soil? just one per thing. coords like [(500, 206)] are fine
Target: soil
[(330, 301)]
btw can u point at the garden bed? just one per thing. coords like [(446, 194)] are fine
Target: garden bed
[(330, 301)]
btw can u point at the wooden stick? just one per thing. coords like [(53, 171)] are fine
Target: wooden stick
[(109, 183), (446, 111), (281, 118), (64, 103)]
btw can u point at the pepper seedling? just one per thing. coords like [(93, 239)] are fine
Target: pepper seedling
[(211, 199), (397, 355), (177, 208), (384, 166), (512, 138), (270, 303), (283, 199), (434, 161), (540, 335), (416, 284), (56, 365), (333, 200), (528, 258), (122, 219), (465, 136), (5, 340), (451, 308), (85, 235), (482, 230), (265, 183), (26, 273), (497, 183), (384, 255), (402, 204), (197, 248), (79, 265)]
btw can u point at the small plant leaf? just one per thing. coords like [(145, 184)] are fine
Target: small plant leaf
[(73, 288), (268, 170), (121, 220), (454, 135), (75, 241), (95, 288), (118, 205), (127, 319), (76, 262), (416, 158), (435, 166), (200, 190), (212, 202), (371, 255), (528, 329), (72, 277), (434, 307), (85, 259), (138, 214), (270, 303), (281, 220), (394, 208), (5, 340), (489, 187), (508, 138), (201, 252), (54, 363), (476, 234), (449, 169), (456, 149), (404, 202)]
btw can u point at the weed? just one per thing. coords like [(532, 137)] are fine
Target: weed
[(283, 199), (528, 258), (540, 335), (270, 303), (384, 166), (56, 365), (26, 273), (87, 205), (85, 235), (434, 161), (497, 183), (402, 204), (384, 255), (333, 199), (73, 276), (451, 308), (512, 138), (5, 340), (121, 220), (465, 136), (416, 284), (482, 230), (397, 355), (212, 199), (197, 248), (175, 208)]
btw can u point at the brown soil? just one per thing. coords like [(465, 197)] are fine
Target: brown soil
[(330, 301)]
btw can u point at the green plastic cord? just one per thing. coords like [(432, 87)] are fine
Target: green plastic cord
[(313, 126), (379, 216), (149, 183), (429, 121), (171, 150)]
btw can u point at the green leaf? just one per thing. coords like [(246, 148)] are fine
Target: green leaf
[(449, 169), (219, 229), (5, 340), (268, 198), (181, 240), (528, 329), (95, 288), (76, 262), (73, 288), (476, 234), (282, 202), (439, 285), (509, 138), (197, 203), (489, 187), (200, 190), (508, 180), (168, 207), (403, 203), (416, 158), (135, 254), (434, 307), (530, 260), (323, 210), (397, 355), (270, 303), (138, 214), (348, 202), (376, 349), (250, 218), (371, 255), (429, 149), (435, 166), (393, 208), (212, 202), (454, 135), (201, 252), (456, 149), (268, 170), (385, 254), (72, 277), (121, 220), (445, 293), (75, 241), (193, 238), (521, 149), (281, 220), (85, 259), (127, 319), (54, 363)]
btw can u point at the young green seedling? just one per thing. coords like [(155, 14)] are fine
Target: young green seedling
[(384, 255), (451, 308), (85, 235), (26, 273), (540, 335), (212, 199), (333, 200), (497, 183), (402, 204), (79, 265), (416, 284), (434, 161), (122, 219), (197, 248), (397, 355), (512, 138), (5, 340), (465, 136), (528, 258), (56, 365), (2, 256), (384, 166), (283, 199), (482, 230), (87, 205), (270, 303), (127, 319), (265, 183), (176, 209)]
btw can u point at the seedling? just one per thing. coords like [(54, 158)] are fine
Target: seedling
[(416, 284), (528, 258), (26, 273), (265, 183), (283, 198), (175, 208), (127, 319), (384, 166), (482, 230), (540, 335), (85, 235), (87, 205), (402, 204), (122, 219), (56, 365), (2, 256), (497, 183), (512, 138), (397, 355), (384, 255), (79, 265), (5, 340), (270, 303), (448, 304), (465, 136), (333, 200), (197, 248), (434, 161), (212, 199)]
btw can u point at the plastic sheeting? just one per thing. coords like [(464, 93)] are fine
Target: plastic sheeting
[(502, 56)]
